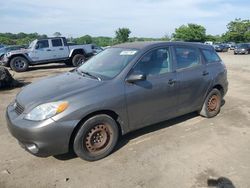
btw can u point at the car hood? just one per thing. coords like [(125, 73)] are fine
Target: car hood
[(55, 88), (21, 51)]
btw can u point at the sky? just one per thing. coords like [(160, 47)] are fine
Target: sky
[(145, 18)]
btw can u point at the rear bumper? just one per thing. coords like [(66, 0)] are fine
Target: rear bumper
[(44, 138)]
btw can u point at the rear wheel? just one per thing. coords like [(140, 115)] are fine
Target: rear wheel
[(96, 138), (78, 60), (212, 104), (19, 64)]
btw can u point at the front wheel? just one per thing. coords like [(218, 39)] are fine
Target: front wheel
[(96, 138), (19, 64), (212, 104), (78, 60)]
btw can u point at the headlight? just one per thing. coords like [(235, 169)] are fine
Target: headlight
[(8, 54), (47, 110)]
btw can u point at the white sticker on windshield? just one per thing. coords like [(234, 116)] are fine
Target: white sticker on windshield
[(128, 52)]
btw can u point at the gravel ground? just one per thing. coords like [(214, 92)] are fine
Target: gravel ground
[(189, 151)]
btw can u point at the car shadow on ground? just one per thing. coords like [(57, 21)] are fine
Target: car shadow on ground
[(18, 84), (221, 182), (46, 67), (152, 128), (130, 136)]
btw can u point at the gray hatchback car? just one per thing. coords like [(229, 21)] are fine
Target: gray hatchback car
[(123, 88)]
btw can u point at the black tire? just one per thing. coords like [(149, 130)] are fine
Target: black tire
[(19, 64), (212, 104), (96, 138), (78, 60)]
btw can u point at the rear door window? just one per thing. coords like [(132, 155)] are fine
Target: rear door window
[(56, 42), (210, 56), (187, 57)]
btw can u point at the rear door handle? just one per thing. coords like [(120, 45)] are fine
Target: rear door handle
[(60, 48), (171, 82), (205, 73), (48, 49)]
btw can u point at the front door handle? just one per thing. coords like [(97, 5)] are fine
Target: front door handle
[(48, 49), (60, 48), (171, 82), (205, 73)]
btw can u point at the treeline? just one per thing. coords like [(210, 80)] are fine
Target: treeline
[(237, 31), (24, 38), (19, 38), (108, 41)]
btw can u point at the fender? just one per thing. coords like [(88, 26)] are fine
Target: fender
[(76, 51), (15, 55)]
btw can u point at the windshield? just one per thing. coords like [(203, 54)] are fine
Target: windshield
[(108, 63), (32, 44), (2, 51), (242, 46)]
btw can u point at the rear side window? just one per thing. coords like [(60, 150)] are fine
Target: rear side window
[(187, 57), (56, 42), (210, 56)]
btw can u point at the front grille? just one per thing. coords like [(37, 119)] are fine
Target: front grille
[(18, 108)]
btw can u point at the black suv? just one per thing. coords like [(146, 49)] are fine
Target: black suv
[(121, 89)]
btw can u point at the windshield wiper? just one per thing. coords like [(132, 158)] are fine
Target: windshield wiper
[(89, 74)]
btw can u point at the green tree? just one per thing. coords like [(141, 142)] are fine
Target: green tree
[(20, 38), (103, 41), (86, 39), (57, 34), (190, 33), (238, 31), (122, 35)]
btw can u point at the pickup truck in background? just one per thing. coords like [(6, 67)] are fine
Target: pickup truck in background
[(49, 50)]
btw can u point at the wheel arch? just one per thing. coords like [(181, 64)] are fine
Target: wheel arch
[(19, 55), (77, 51), (110, 113), (220, 88)]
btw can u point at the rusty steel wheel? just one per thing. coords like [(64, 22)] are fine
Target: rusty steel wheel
[(96, 137), (212, 104)]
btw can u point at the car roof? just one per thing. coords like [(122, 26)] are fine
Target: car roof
[(151, 44)]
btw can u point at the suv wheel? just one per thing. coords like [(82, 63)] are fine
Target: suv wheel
[(78, 60), (96, 138), (212, 104), (19, 64)]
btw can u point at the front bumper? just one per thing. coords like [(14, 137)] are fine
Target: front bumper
[(4, 61), (240, 51), (43, 138)]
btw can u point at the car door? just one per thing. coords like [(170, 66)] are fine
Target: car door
[(42, 51), (153, 99), (58, 49), (193, 78)]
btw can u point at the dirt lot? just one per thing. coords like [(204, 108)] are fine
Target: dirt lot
[(189, 151)]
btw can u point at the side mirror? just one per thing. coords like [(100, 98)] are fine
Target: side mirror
[(135, 77)]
